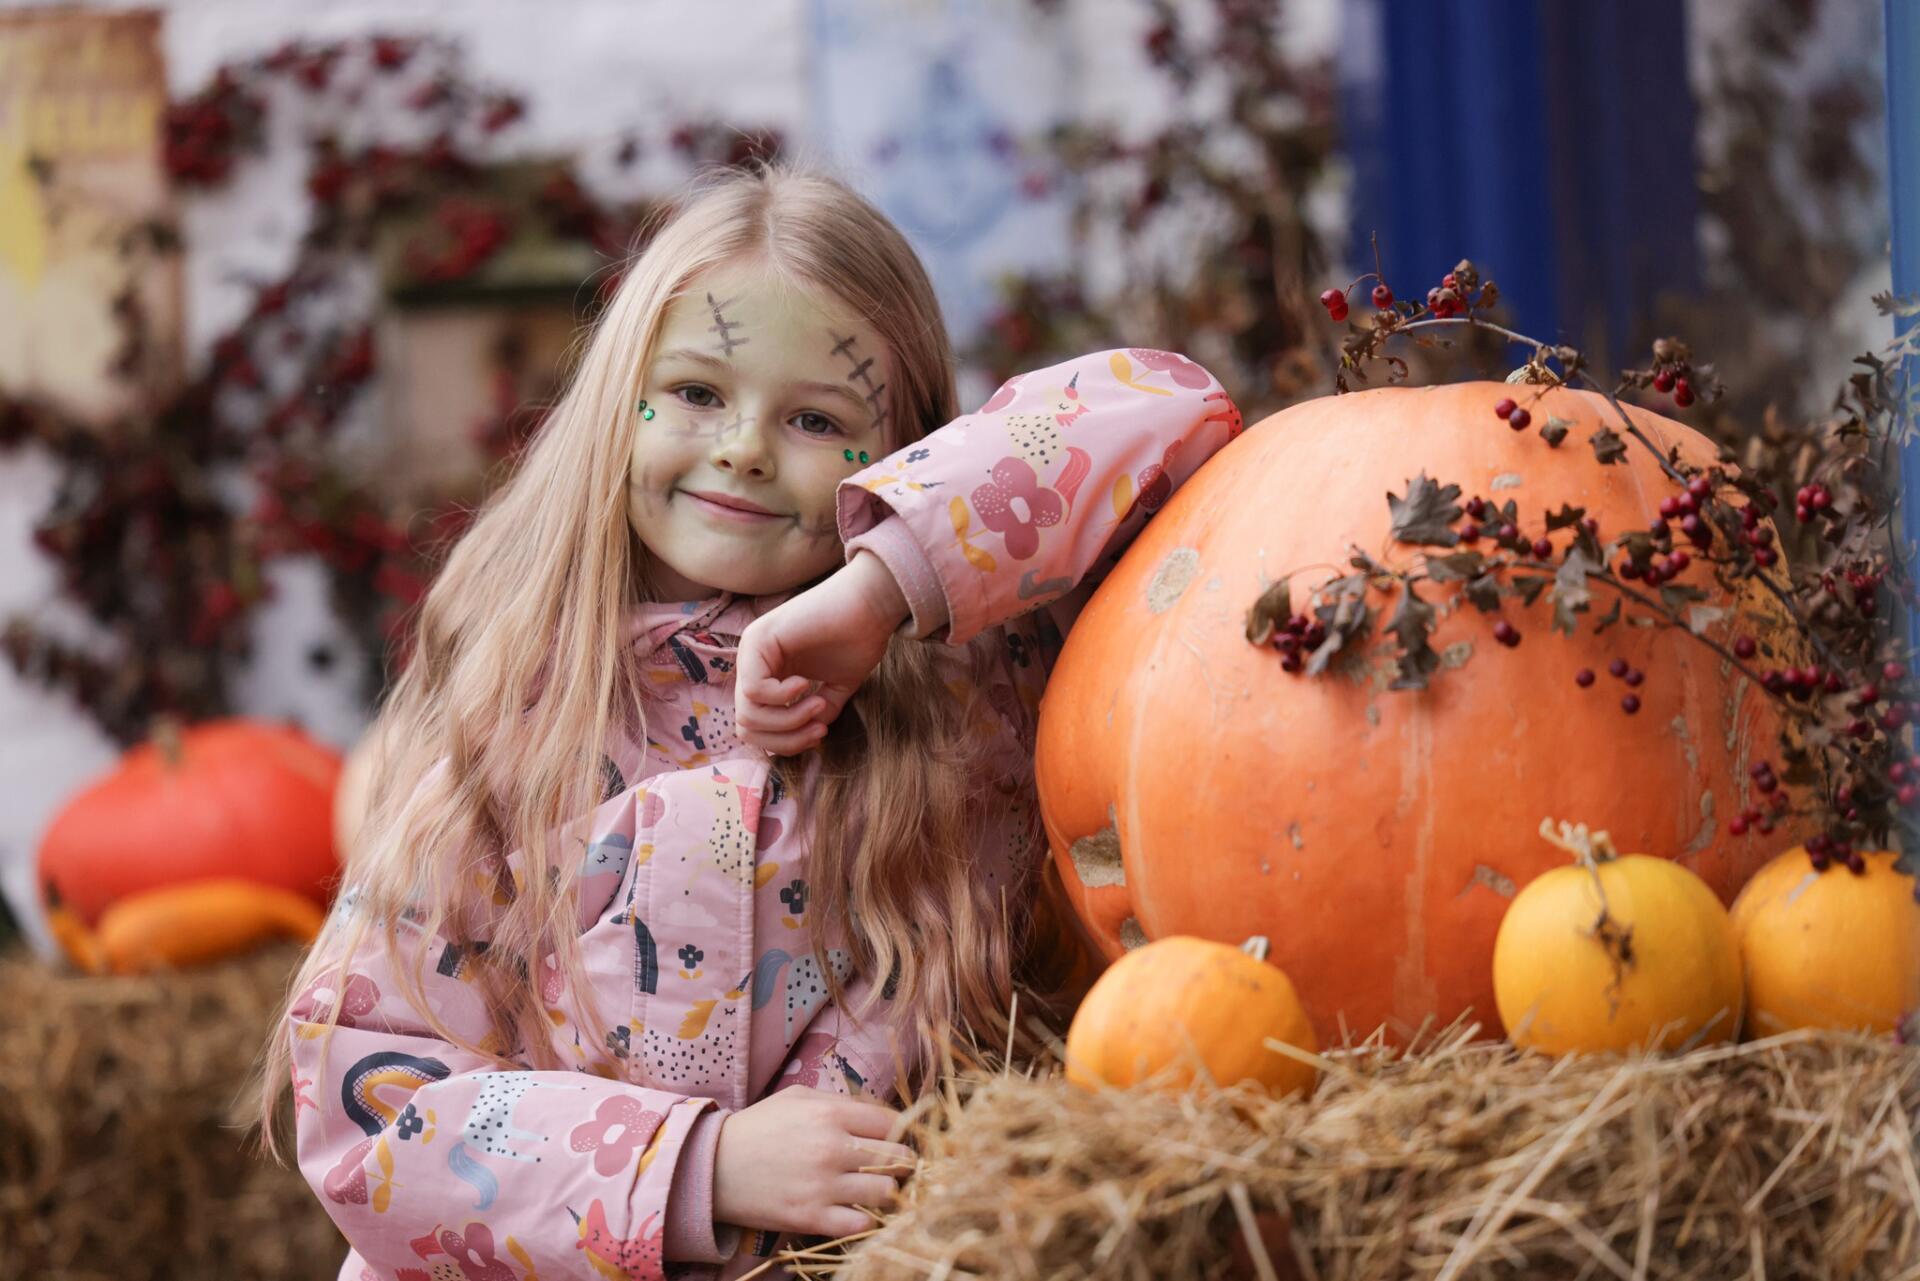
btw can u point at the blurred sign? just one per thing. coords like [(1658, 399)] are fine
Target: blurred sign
[(83, 99), (927, 103)]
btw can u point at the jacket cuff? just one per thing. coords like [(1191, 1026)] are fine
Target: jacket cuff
[(901, 554), (691, 1234)]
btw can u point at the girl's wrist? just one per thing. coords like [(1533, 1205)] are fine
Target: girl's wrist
[(878, 587)]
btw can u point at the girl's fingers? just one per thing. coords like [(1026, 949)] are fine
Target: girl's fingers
[(838, 1221), (866, 1189), (779, 693), (893, 1159), (790, 744), (782, 720)]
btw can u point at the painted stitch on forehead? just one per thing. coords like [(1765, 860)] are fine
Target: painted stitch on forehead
[(724, 327), (845, 347)]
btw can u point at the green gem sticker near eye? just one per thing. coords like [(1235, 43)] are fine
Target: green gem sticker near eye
[(644, 411), (849, 455)]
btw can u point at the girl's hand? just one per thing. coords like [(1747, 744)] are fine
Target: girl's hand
[(801, 661), (802, 1159)]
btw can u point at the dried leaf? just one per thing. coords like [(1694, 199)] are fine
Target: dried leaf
[(1607, 445), (1701, 617), (1889, 304), (1571, 595), (1609, 618), (1411, 625), (1529, 586), (1484, 592), (1269, 613), (1567, 517), (1456, 568), (1425, 516), (1677, 596), (1555, 430), (1347, 617)]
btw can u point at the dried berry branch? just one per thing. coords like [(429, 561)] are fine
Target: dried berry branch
[(1843, 716)]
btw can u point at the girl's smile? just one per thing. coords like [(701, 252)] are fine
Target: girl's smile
[(738, 510)]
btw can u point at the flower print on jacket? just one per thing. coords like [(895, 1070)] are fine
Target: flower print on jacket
[(619, 1129), (696, 862)]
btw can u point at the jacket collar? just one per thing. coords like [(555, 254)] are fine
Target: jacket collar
[(689, 635)]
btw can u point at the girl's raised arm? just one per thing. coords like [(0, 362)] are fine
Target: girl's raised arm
[(1036, 495)]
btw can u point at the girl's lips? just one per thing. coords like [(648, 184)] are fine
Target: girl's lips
[(723, 512)]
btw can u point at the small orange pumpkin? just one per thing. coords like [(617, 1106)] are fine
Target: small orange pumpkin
[(1615, 954), (1172, 1008), (240, 798), (200, 922), (1828, 949)]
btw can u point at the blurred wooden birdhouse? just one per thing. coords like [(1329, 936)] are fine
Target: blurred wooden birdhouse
[(487, 285)]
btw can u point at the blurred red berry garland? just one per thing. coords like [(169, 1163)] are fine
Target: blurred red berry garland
[(163, 522)]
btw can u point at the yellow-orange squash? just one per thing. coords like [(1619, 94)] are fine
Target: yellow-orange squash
[(1168, 1011), (199, 922), (1190, 786), (1828, 949), (1617, 954)]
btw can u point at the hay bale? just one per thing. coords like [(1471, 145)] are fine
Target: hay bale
[(1792, 1157), (119, 1158)]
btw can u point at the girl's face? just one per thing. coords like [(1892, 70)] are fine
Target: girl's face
[(758, 391)]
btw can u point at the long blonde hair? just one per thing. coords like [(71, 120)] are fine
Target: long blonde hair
[(487, 744)]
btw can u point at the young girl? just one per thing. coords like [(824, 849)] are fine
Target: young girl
[(703, 815)]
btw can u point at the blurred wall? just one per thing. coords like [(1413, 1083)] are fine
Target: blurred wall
[(913, 100)]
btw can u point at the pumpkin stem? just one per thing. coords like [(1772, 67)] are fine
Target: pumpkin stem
[(1256, 947), (1586, 847), (165, 733)]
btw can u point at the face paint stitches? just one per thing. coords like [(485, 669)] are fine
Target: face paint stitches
[(724, 327), (858, 374)]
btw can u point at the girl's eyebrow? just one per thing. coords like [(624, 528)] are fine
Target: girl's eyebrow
[(697, 357)]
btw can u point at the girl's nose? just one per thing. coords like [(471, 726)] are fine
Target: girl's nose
[(741, 446)]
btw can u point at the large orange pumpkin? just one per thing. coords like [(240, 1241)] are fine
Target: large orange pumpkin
[(1190, 786), (229, 798)]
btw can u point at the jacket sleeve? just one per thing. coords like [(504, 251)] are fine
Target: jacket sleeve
[(1030, 500), (425, 1155)]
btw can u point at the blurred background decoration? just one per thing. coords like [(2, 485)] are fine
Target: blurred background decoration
[(283, 288)]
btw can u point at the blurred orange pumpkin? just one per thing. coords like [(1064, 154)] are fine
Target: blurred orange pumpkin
[(229, 798)]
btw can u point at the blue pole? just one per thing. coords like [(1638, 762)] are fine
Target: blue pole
[(1903, 188)]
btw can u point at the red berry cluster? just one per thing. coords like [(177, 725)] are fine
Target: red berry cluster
[(1826, 850), (1812, 500), (1672, 372), (1622, 671), (1449, 298), (1511, 414), (1758, 537), (1296, 638)]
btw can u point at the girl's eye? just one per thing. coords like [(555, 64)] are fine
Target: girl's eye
[(691, 393), (824, 426)]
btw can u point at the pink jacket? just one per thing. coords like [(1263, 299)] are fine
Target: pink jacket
[(694, 901)]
